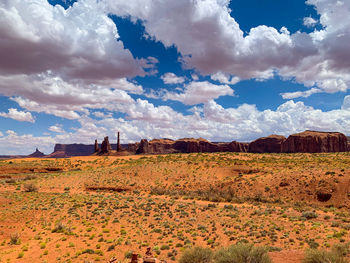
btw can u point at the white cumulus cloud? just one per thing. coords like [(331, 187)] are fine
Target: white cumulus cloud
[(18, 115), (225, 78), (198, 92), (56, 128), (309, 21), (171, 78)]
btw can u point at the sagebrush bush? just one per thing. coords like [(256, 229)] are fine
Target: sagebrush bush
[(336, 255), (242, 253), (239, 253), (30, 188), (309, 215), (61, 228), (15, 239), (197, 255)]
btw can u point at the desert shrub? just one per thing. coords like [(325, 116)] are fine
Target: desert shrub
[(336, 255), (309, 215), (197, 255), (10, 181), (30, 188), (242, 253), (29, 177), (14, 239), (61, 228)]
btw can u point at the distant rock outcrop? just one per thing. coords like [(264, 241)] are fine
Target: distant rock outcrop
[(36, 154), (270, 144), (308, 141), (105, 146), (187, 145), (315, 142), (97, 147), (67, 150)]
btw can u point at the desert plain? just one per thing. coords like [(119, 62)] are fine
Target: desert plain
[(93, 208)]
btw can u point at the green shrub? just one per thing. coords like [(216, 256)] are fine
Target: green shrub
[(14, 239), (242, 253), (309, 215), (197, 255), (61, 228), (323, 256)]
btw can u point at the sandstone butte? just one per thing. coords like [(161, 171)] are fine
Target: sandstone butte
[(315, 142), (305, 142), (270, 144)]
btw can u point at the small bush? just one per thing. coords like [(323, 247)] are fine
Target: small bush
[(242, 253), (61, 228), (14, 239), (309, 215), (323, 256), (197, 255), (30, 188)]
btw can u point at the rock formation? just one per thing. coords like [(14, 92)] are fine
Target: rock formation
[(308, 141), (270, 144), (36, 154), (97, 148), (118, 143), (187, 145), (143, 147), (67, 150), (315, 142), (105, 146)]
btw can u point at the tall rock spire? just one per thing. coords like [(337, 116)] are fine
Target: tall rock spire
[(97, 149), (118, 143)]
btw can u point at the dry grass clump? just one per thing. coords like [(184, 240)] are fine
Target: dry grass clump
[(30, 188), (242, 253), (336, 255), (197, 255), (239, 253)]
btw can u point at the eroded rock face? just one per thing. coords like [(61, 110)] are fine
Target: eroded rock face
[(187, 145), (315, 142), (105, 146), (270, 144), (143, 147)]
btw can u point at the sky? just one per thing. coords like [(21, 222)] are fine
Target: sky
[(76, 71)]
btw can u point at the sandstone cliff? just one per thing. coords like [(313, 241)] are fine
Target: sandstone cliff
[(315, 142), (270, 144), (187, 145), (68, 150)]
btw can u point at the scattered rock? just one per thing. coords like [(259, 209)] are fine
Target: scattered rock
[(323, 196), (284, 184)]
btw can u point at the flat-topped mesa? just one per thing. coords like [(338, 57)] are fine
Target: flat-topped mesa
[(187, 145), (105, 146), (270, 144), (315, 142)]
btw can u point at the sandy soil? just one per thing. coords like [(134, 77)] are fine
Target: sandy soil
[(88, 209)]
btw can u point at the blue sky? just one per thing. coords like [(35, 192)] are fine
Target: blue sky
[(73, 71)]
